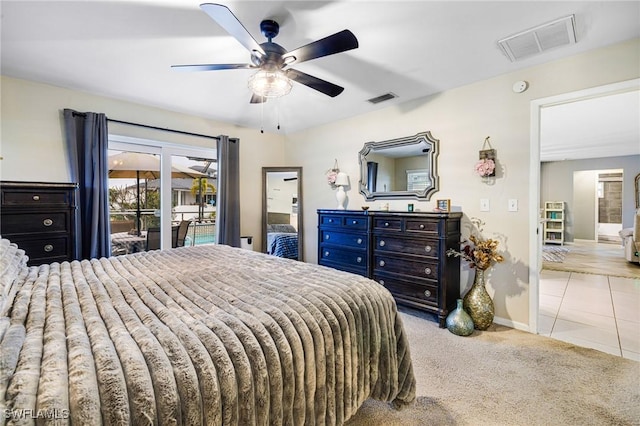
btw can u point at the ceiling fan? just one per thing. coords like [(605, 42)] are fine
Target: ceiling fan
[(272, 60)]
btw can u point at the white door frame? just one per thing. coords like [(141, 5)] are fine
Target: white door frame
[(535, 261)]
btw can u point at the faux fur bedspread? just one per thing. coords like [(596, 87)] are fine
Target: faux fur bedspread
[(196, 335)]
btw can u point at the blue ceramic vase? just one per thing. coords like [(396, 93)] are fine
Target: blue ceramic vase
[(459, 322)]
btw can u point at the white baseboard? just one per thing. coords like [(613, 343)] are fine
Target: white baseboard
[(513, 324)]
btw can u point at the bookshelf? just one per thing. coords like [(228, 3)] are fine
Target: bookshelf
[(554, 222)]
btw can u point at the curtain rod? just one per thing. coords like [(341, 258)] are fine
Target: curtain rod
[(82, 114), (163, 129)]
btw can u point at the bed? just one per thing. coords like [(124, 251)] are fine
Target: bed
[(195, 335), (282, 241)]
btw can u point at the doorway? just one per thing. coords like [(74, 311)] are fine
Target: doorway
[(165, 185), (535, 228)]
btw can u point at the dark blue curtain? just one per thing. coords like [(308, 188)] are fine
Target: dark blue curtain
[(87, 142), (228, 199)]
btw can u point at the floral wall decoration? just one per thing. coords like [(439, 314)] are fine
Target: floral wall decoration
[(332, 174), (486, 167)]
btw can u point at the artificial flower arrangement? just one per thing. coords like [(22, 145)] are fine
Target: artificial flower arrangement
[(332, 174), (486, 167), (480, 254)]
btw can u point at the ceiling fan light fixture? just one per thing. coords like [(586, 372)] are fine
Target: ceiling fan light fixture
[(270, 84)]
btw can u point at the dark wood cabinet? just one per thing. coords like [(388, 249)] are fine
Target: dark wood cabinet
[(41, 219), (343, 240), (405, 252)]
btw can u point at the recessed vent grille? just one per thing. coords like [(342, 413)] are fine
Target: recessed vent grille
[(539, 39), (382, 98)]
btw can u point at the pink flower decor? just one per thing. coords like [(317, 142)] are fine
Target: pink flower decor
[(485, 167), (332, 174)]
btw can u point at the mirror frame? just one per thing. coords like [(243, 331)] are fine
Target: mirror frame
[(432, 158), (298, 170), (637, 186)]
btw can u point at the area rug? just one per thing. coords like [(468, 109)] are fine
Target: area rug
[(554, 253), (507, 377)]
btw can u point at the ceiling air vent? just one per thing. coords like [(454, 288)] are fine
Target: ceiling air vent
[(539, 39), (382, 98)]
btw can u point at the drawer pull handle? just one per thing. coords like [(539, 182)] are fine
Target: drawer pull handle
[(359, 259), (36, 198), (381, 282), (359, 241), (428, 249), (422, 226), (386, 224), (382, 263), (382, 243), (427, 271), (355, 222), (47, 222), (326, 254), (427, 293), (48, 248), (330, 220), (326, 237)]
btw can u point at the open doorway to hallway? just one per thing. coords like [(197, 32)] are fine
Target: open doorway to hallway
[(587, 139), (597, 206)]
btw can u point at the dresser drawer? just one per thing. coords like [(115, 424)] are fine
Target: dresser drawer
[(356, 258), (421, 225), (405, 266), (343, 238), (39, 249), (345, 222), (28, 222), (409, 291), (393, 243), (35, 198), (390, 224)]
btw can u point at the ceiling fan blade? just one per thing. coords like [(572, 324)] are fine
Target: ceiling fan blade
[(227, 20), (211, 67), (320, 85), (255, 99), (336, 43)]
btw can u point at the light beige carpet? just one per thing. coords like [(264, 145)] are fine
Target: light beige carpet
[(507, 377)]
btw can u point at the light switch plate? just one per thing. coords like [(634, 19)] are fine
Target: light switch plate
[(513, 205), (484, 204)]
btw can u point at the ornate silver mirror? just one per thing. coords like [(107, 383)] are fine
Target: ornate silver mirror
[(400, 168), (637, 191), (282, 212)]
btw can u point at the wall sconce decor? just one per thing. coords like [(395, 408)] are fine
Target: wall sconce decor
[(486, 167)]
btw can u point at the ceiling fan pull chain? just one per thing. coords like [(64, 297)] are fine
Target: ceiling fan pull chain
[(262, 116), (278, 111)]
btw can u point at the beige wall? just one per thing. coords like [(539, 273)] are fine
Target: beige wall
[(461, 119), (32, 144), (32, 147)]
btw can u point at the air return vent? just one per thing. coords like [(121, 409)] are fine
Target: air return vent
[(382, 98), (539, 39)]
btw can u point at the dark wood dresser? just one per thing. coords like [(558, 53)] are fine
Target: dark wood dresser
[(41, 219), (405, 252)]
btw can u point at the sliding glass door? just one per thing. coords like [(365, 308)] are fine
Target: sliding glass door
[(162, 195)]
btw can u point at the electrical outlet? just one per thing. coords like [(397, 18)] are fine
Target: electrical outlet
[(513, 205), (484, 204)]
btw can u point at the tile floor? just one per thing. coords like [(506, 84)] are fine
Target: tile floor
[(595, 311)]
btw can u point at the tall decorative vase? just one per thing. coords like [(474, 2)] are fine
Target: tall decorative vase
[(459, 322), (478, 303)]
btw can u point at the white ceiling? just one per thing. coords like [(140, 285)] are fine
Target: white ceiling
[(605, 126), (124, 49)]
